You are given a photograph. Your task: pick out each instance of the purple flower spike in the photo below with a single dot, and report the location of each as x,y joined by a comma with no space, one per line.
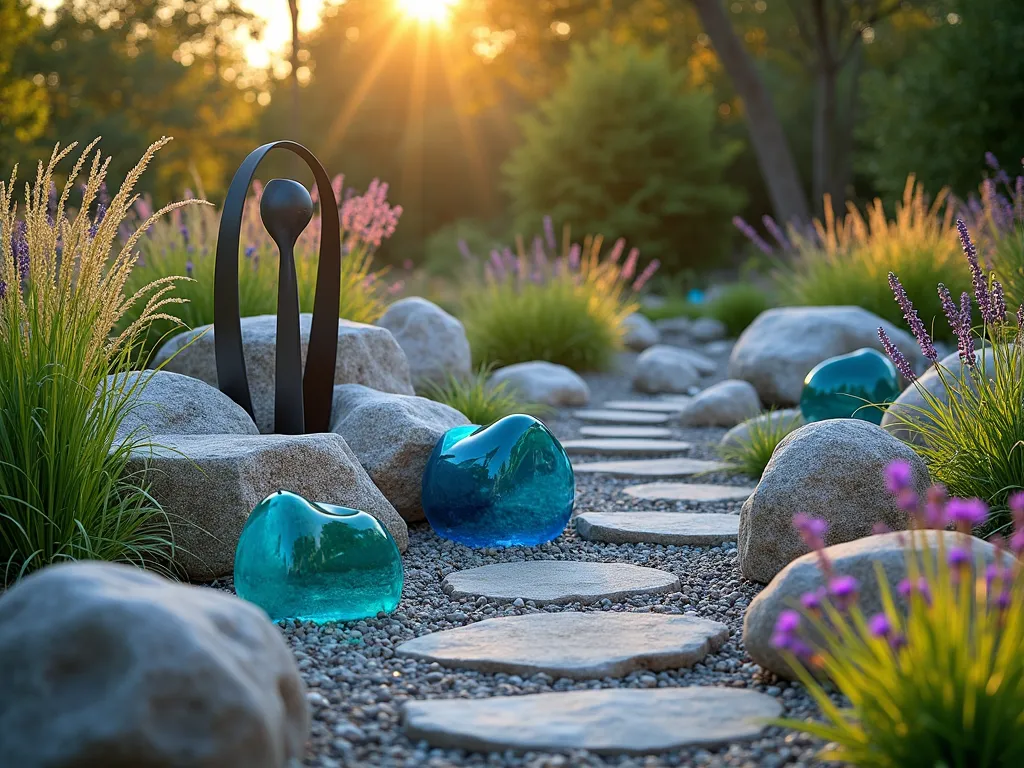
751,234
880,626
998,301
967,513
955,318
910,315
776,232
896,356
991,161
549,233
812,601
981,293
898,475
1020,317
959,558
843,590
788,622
189,267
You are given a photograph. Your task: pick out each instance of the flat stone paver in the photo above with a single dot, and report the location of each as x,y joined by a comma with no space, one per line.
687,492
610,721
558,581
609,416
637,432
680,528
550,643
654,406
679,467
625,445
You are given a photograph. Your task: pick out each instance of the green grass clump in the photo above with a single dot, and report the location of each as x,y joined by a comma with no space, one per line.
64,493
751,453
937,681
848,261
736,307
185,244
479,401
566,310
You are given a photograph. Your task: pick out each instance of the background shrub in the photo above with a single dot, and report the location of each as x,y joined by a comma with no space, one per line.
64,494
847,259
566,309
622,147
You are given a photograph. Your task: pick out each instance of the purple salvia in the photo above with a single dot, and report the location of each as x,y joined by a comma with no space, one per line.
497,266
991,161
966,342
955,319
751,234
981,293
189,268
896,356
616,252
630,266
574,256
646,275
464,250
998,301
776,232
1020,317
549,233
910,315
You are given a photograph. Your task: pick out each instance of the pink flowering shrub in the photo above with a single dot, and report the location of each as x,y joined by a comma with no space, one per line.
186,243
563,304
936,679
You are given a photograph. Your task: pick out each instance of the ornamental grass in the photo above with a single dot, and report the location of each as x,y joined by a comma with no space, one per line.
66,492
973,439
935,679
564,306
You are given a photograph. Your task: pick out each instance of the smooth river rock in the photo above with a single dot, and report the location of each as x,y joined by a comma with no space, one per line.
558,581
609,721
549,643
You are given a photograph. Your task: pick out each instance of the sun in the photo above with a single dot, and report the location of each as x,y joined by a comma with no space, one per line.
427,11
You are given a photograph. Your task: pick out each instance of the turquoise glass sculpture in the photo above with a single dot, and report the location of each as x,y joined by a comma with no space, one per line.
850,387
504,485
316,562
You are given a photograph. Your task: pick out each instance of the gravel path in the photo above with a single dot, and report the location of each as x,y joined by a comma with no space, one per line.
357,685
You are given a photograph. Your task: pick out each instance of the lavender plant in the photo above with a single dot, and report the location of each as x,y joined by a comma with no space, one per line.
935,679
66,491
844,259
562,305
970,429
185,244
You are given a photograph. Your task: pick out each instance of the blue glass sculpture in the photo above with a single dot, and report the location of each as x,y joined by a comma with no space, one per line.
843,387
316,562
507,484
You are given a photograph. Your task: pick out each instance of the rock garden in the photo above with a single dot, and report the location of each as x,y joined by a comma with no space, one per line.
264,504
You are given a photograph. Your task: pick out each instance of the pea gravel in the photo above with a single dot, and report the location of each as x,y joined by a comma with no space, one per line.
357,685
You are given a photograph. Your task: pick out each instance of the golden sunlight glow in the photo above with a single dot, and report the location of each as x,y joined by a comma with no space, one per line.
426,11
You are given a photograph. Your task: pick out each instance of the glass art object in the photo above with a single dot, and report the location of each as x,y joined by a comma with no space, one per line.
504,485
849,387
317,562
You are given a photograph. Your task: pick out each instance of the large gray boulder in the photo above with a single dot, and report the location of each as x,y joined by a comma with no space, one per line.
392,436
781,346
367,355
832,470
434,342
854,558
665,369
165,403
911,406
543,383
724,404
639,333
108,665
208,485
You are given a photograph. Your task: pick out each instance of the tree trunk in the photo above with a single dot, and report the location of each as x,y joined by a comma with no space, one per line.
844,130
773,153
823,146
293,9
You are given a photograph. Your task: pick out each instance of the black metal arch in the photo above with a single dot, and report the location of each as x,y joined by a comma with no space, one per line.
314,407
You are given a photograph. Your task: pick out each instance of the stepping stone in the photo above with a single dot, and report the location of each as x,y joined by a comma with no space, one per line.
625,445
622,417
610,721
636,432
654,406
558,581
680,528
688,492
550,643
651,467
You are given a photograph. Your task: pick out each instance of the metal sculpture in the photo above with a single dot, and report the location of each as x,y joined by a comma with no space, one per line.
302,400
